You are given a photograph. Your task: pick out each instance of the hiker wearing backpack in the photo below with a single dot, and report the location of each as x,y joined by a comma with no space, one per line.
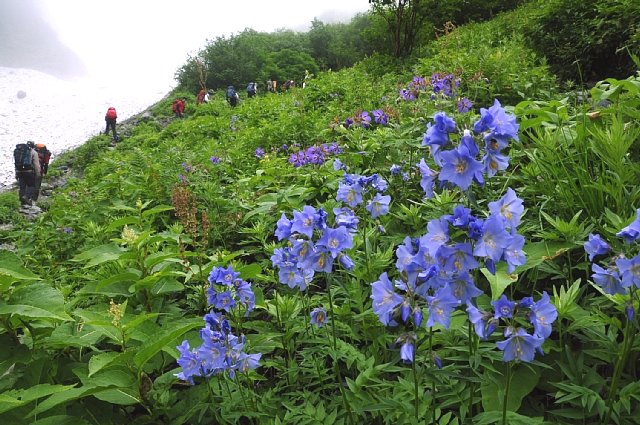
201,96
110,118
178,107
251,89
27,166
232,96
44,156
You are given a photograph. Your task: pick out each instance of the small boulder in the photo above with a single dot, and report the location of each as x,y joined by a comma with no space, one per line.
21,94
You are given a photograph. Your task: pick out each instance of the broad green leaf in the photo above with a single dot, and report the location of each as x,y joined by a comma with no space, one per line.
147,351
101,360
16,398
31,312
138,320
167,285
156,210
100,254
37,300
117,224
121,396
538,252
524,379
11,265
62,398
60,420
500,281
129,276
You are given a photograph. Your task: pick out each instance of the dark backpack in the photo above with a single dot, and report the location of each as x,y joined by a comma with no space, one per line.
44,155
251,88
22,157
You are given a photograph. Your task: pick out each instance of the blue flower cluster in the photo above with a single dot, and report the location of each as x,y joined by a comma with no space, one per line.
519,344
440,84
227,290
436,267
459,165
312,245
221,351
621,273
353,187
315,155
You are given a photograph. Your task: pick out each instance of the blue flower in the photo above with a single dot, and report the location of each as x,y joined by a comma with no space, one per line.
335,240
428,178
463,288
351,194
509,207
513,253
494,239
319,317
283,227
608,280
543,313
407,347
385,299
481,321
459,167
260,153
629,270
440,308
631,233
304,221
503,308
379,205
380,117
595,246
520,346
190,362
464,105
395,170
215,160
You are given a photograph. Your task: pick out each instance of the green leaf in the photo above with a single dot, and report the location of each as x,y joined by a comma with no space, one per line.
100,254
156,210
37,300
147,351
63,397
166,285
16,398
524,379
500,281
101,360
121,396
60,420
11,265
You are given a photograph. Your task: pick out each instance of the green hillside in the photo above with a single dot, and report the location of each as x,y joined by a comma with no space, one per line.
450,238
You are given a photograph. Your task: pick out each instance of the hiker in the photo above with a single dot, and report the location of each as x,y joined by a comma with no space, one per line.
288,85
27,166
178,107
44,156
232,96
251,89
110,117
201,95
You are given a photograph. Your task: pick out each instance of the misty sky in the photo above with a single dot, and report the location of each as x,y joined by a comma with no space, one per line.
140,42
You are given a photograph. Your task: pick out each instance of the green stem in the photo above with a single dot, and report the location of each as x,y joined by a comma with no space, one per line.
471,352
626,346
506,395
285,346
433,381
336,366
416,400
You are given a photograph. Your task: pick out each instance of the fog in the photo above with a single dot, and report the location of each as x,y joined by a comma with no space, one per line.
140,42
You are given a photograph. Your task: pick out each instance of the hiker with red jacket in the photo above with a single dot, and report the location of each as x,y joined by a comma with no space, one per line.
178,107
110,117
201,96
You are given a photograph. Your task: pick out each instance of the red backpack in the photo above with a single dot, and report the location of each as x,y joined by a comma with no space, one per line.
111,113
44,155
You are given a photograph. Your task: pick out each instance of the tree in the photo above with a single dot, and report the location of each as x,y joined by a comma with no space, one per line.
405,20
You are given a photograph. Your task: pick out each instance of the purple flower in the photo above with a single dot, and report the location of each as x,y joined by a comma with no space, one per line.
428,178
407,347
67,230
459,167
379,205
494,162
480,321
395,169
464,105
520,346
380,117
513,253
631,233
319,317
385,299
595,246
463,288
260,153
497,121
215,160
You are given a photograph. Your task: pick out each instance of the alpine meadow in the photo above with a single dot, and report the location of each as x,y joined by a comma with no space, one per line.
436,222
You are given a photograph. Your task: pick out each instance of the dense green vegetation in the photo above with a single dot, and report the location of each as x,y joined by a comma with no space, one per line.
362,236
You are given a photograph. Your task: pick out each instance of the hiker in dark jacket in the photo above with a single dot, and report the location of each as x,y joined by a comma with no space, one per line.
232,96
27,178
110,118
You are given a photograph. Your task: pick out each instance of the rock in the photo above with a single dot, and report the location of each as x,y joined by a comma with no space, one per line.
21,94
